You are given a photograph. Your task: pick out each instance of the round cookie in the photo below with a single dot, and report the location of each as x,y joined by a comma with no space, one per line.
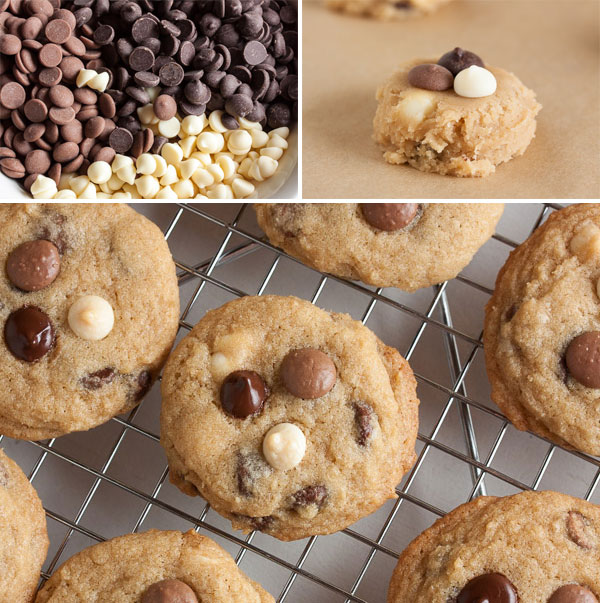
89,310
152,567
440,131
289,464
379,243
518,548
23,536
386,9
546,298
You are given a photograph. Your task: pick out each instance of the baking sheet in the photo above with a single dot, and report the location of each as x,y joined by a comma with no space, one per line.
551,45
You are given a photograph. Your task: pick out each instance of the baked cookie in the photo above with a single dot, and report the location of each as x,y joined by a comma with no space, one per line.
386,9
404,245
23,537
542,331
88,312
533,547
454,116
152,567
287,418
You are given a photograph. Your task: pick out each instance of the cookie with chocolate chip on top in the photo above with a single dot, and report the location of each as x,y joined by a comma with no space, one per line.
23,536
404,245
541,547
89,309
542,331
152,567
287,418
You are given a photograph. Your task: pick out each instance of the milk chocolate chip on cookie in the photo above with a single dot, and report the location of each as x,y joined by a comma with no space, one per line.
278,412
89,311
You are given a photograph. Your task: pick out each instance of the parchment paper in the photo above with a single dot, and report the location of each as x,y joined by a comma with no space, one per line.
551,45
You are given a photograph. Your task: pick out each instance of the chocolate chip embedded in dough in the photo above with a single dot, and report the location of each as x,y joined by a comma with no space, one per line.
364,416
311,495
389,216
583,359
308,373
579,529
98,379
573,593
143,383
29,334
430,77
169,591
488,588
243,394
458,59
250,468
33,265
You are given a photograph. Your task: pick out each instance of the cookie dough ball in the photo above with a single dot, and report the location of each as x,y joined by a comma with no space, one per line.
89,309
23,537
386,9
152,567
440,131
533,546
404,245
541,337
295,444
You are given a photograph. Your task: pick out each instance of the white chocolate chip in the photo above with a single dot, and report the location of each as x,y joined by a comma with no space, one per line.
166,193
415,106
169,128
43,188
145,164
219,366
585,243
172,153
184,189
475,82
210,142
91,317
284,446
242,188
99,172
147,186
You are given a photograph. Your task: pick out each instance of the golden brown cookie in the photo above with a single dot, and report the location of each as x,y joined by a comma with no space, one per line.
404,245
541,331
152,567
89,310
386,9
533,547
23,537
287,418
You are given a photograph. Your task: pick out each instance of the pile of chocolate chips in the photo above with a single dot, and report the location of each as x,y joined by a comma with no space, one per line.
235,55
440,76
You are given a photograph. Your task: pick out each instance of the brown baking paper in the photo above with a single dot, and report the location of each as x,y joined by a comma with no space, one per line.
551,45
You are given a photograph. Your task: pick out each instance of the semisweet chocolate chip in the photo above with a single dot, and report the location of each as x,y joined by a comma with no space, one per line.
458,59
573,593
260,523
430,77
98,379
308,373
171,74
579,530
311,495
141,59
142,386
169,591
364,417
583,359
33,265
488,588
29,334
389,216
120,140
243,394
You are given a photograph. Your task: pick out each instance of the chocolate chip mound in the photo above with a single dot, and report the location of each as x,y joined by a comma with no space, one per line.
311,495
580,531
364,416
99,378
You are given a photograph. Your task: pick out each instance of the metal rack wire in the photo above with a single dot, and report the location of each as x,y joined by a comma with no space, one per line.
461,434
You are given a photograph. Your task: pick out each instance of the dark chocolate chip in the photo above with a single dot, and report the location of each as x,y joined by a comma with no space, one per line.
99,378
29,334
243,394
311,495
364,417
488,588
458,59
580,530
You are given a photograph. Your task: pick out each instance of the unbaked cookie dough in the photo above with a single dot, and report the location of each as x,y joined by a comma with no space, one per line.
404,245
464,127
386,9
288,419
542,331
533,547
23,537
89,309
152,567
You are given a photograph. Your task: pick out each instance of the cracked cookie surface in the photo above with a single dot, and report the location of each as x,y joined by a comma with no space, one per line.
123,569
360,431
23,536
537,542
109,251
547,295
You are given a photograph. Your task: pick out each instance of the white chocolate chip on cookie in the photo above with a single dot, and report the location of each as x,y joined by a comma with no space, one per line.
475,82
416,106
585,243
91,317
284,446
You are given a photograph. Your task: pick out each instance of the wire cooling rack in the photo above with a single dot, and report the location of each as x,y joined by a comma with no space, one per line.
113,479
